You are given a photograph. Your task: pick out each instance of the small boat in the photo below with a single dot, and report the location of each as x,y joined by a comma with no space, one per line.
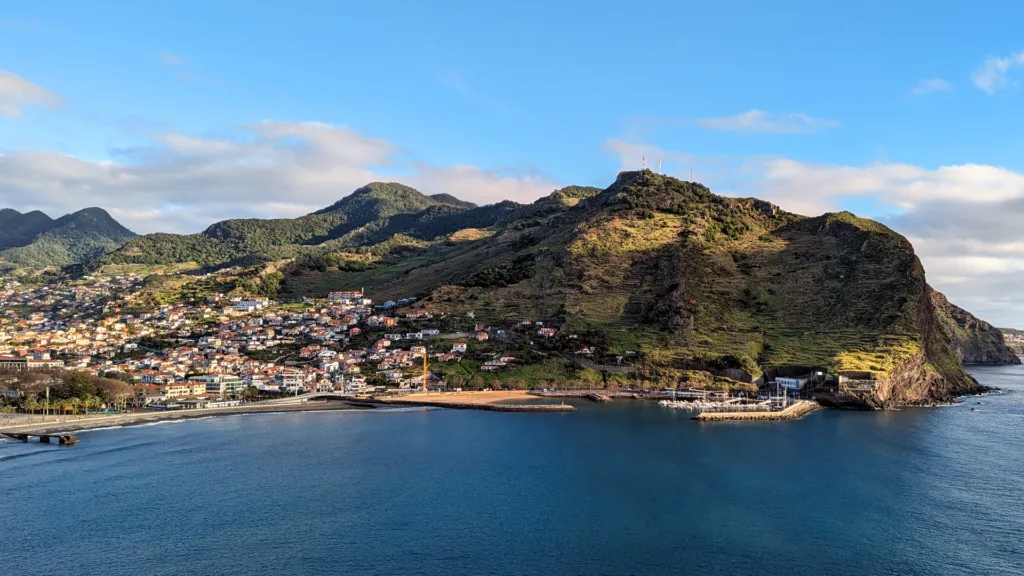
974,409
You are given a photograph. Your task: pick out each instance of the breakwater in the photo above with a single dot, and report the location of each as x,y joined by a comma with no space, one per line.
797,410
463,405
601,396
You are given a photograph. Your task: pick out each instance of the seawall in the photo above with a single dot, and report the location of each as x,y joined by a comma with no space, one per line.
464,405
797,410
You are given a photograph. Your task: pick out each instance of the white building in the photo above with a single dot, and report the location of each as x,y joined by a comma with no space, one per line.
221,384
791,383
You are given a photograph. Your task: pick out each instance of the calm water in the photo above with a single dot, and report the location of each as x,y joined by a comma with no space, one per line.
620,489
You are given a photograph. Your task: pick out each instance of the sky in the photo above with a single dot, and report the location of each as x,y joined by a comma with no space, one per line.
173,115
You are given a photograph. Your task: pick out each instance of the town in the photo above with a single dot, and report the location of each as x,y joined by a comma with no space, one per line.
229,349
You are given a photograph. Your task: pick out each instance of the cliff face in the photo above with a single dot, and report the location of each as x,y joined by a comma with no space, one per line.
974,340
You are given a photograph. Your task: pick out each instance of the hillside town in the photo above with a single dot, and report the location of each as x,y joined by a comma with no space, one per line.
230,348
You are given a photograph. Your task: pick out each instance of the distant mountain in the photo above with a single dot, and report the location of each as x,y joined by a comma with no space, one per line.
369,215
975,341
17,229
35,240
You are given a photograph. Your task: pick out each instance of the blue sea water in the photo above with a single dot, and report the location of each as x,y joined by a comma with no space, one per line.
626,488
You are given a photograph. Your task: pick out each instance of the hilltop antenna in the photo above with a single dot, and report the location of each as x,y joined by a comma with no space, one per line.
643,162
691,174
659,167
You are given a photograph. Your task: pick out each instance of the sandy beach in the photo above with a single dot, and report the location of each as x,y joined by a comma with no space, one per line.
489,397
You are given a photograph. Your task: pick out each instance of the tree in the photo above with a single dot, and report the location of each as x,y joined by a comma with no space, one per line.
251,394
75,404
30,403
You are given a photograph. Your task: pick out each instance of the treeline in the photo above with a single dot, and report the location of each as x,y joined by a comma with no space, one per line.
70,391
514,272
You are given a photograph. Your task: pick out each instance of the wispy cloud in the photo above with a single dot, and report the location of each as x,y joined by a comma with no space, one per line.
181,68
182,183
17,92
930,86
456,82
768,122
991,75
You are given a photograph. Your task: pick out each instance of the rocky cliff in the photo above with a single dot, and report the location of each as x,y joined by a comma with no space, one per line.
974,340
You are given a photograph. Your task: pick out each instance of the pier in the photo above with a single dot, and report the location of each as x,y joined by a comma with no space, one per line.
601,397
793,412
62,439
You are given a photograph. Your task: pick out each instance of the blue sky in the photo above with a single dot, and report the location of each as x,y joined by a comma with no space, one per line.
173,115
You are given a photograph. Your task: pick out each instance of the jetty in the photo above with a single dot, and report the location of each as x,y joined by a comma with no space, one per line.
62,439
797,410
600,396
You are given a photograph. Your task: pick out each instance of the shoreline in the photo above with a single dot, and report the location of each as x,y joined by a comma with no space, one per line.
140,418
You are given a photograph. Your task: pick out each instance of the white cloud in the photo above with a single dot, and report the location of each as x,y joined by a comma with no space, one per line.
17,92
930,86
182,183
991,74
769,122
964,220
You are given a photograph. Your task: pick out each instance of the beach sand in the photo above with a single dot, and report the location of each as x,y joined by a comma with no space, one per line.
489,397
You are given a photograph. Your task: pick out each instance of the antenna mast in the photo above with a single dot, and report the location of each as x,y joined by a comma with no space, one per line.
643,162
659,167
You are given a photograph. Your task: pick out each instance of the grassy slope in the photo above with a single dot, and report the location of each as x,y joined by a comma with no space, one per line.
695,280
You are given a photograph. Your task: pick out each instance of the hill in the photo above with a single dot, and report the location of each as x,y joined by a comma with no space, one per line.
696,282
369,215
35,240
684,281
975,341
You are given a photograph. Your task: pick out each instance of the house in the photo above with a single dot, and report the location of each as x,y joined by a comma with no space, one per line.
181,389
220,384
459,347
791,383
481,336
345,295
546,332
289,379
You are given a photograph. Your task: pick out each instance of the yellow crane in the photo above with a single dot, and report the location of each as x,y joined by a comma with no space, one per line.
426,375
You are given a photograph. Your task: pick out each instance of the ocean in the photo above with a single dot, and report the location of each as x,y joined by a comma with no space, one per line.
625,488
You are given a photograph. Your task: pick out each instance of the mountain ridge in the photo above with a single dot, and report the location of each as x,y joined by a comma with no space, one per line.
686,279
35,240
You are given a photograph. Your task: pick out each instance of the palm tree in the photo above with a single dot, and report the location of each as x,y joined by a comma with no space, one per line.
75,403
30,404
96,402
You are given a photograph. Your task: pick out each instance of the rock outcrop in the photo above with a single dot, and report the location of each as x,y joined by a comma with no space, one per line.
974,340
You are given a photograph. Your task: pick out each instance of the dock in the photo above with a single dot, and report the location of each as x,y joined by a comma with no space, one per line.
62,439
793,412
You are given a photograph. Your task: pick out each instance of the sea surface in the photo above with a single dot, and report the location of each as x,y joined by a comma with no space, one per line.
626,488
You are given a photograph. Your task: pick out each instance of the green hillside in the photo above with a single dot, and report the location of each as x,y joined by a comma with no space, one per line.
370,215
34,240
693,281
663,271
